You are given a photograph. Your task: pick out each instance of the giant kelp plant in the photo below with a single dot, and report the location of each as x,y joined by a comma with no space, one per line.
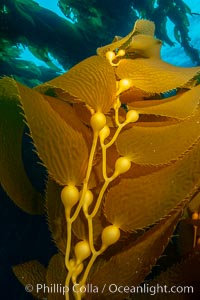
24,23
123,163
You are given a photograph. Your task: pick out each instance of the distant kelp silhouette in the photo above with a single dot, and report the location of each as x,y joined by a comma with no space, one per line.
88,24
123,163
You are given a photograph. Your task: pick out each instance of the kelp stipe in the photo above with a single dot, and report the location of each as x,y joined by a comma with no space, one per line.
118,179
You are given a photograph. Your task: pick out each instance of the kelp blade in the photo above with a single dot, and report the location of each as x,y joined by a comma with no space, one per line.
91,81
180,106
56,274
134,262
136,203
154,75
31,274
13,177
156,145
62,149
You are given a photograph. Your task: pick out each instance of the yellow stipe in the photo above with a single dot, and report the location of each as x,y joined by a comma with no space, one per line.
111,234
77,271
195,216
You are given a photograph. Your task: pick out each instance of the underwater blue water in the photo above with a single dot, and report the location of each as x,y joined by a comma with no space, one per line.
26,54
168,53
51,5
174,55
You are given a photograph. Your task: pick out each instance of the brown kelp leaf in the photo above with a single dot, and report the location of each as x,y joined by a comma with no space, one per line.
141,27
133,263
159,145
144,46
139,202
194,205
92,81
13,177
32,274
134,95
56,275
184,239
82,112
56,93
70,116
61,148
56,215
180,106
154,75
183,276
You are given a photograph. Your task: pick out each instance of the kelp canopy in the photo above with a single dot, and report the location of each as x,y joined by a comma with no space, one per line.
123,164
95,23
